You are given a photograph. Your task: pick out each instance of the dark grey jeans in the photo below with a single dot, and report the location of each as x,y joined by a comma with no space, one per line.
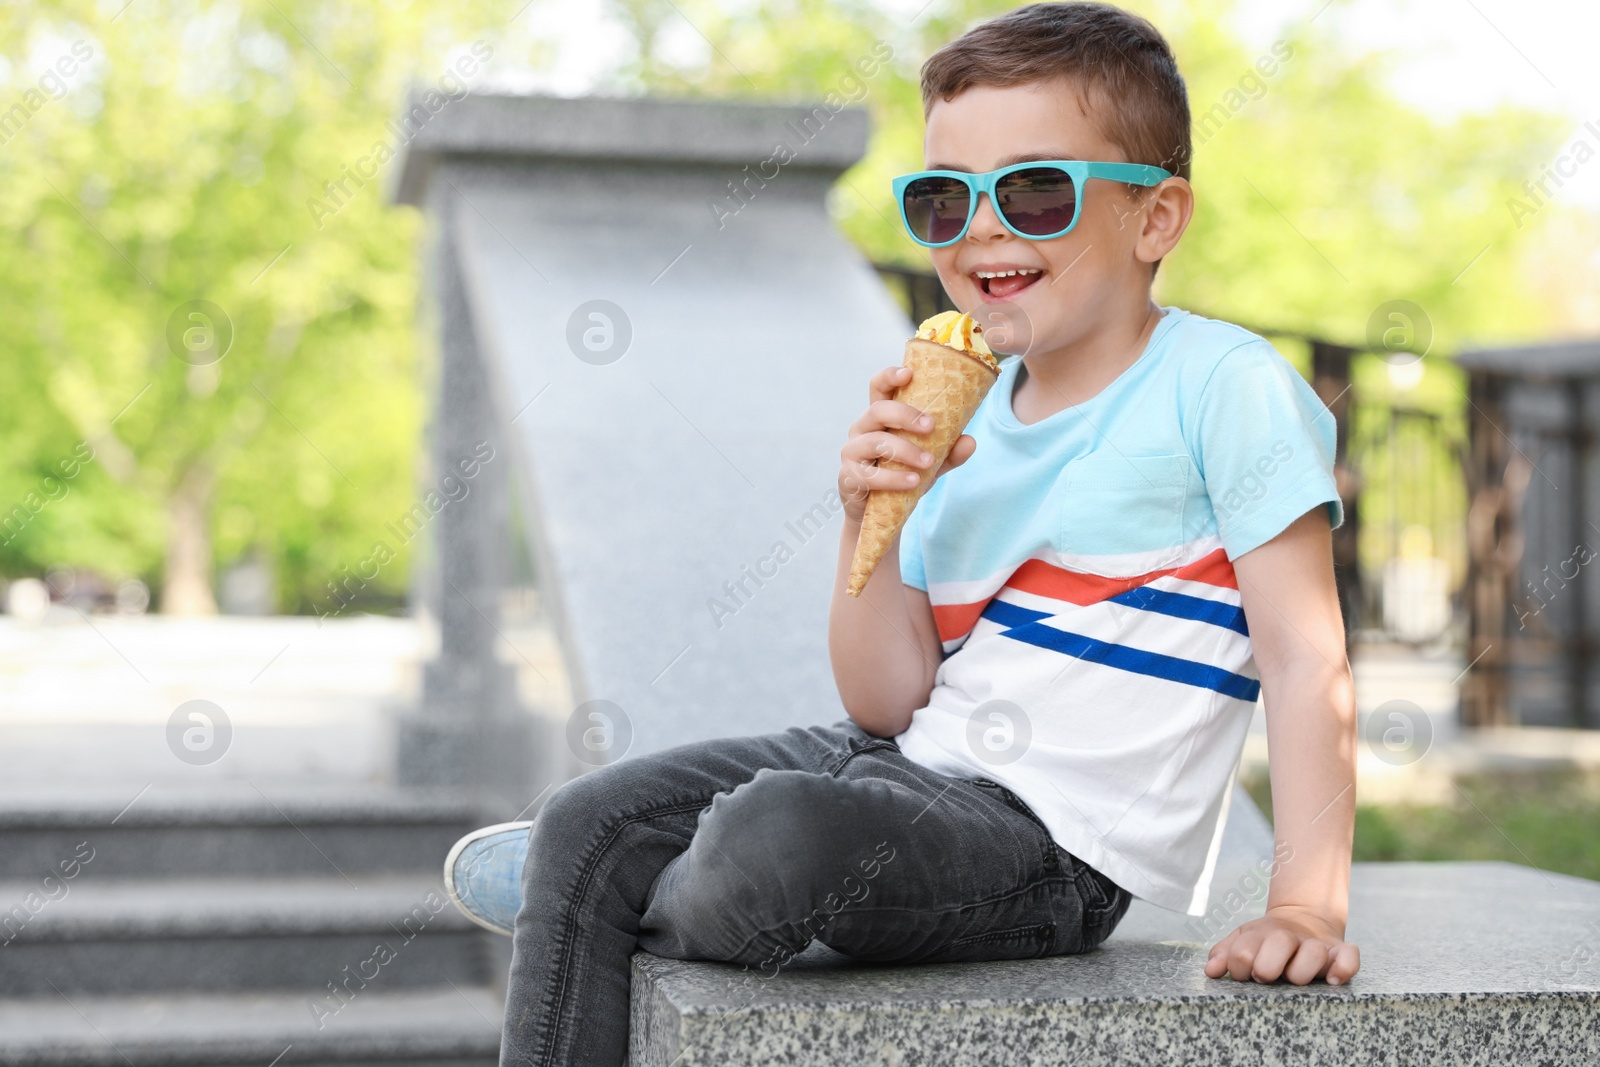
746,849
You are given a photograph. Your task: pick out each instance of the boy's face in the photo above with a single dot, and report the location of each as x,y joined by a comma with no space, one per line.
1085,276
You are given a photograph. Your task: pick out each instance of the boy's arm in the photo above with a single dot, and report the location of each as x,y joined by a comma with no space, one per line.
884,656
1292,609
883,644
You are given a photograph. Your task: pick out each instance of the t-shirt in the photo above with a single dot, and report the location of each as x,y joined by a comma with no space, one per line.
1096,657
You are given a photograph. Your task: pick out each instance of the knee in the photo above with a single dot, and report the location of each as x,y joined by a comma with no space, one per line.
794,831
589,803
771,864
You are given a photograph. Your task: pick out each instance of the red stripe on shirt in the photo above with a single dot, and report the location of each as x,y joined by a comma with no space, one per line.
957,620
1076,587
1214,568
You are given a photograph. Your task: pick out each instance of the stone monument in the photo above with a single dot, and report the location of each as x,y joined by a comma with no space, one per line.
645,310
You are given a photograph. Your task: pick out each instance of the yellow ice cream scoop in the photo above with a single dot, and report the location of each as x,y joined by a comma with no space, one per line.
958,331
951,372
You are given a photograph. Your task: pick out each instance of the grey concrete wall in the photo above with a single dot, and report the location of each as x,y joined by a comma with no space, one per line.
678,454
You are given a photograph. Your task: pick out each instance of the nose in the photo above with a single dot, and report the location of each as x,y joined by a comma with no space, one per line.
986,224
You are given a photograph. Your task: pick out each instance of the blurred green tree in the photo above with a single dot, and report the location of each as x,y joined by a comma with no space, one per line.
225,153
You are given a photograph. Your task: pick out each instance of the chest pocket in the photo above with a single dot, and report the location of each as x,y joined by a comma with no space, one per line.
1117,506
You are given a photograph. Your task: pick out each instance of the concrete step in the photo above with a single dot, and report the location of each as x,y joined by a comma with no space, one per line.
446,1027
1462,964
319,936
165,832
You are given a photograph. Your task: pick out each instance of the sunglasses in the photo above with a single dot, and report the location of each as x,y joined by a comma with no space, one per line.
1038,200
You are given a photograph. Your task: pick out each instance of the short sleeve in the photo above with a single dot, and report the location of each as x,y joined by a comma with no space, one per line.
912,571
1264,443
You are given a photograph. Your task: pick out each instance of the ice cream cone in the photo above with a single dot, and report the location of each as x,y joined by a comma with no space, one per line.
948,384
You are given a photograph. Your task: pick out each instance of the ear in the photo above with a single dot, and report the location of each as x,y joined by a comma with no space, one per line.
1166,212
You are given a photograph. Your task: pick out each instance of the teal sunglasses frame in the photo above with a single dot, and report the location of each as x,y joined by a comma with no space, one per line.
1080,171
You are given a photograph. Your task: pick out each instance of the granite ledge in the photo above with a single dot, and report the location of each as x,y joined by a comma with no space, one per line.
1463,963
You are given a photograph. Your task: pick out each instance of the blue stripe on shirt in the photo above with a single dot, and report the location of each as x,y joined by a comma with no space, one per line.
1005,614
1183,606
1138,661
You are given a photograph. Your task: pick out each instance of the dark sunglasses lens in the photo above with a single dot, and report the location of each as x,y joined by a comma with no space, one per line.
936,208
1038,201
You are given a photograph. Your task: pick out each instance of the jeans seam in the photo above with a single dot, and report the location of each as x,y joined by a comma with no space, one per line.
567,941
1042,880
1100,914
877,746
1015,932
1109,890
1108,919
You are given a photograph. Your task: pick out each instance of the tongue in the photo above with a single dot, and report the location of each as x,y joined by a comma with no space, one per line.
1013,284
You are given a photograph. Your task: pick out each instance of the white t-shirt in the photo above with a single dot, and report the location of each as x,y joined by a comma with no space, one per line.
1096,657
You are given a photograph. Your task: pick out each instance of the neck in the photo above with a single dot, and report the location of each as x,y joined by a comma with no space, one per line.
1064,377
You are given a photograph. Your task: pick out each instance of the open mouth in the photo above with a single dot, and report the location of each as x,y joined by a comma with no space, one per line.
1005,284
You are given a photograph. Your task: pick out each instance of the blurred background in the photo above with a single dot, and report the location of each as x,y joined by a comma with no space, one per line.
188,151
219,368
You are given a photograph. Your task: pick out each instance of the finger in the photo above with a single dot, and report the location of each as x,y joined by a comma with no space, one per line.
1345,963
870,477
885,382
883,445
1309,961
1242,956
892,415
1217,960
960,452
851,487
1275,951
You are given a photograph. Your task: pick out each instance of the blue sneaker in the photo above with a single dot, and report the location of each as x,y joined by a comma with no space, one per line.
483,874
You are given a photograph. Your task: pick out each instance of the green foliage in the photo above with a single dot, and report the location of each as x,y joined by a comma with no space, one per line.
184,162
180,168
1538,820
1541,822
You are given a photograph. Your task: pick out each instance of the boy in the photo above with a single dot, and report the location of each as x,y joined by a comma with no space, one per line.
1050,678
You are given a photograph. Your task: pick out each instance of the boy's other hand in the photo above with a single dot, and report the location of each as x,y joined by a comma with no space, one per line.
871,440
1289,942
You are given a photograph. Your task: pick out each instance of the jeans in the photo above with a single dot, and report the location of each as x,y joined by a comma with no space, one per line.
746,849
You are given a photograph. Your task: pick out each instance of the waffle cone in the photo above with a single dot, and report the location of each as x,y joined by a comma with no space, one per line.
947,384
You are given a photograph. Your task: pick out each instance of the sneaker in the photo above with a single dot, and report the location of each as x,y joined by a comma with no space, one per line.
483,874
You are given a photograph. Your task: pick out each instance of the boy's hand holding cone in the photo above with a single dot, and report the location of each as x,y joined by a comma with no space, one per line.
918,412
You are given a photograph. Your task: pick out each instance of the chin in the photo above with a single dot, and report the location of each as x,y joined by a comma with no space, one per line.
1016,326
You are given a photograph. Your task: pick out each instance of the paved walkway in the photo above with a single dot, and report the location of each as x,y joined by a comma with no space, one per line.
91,701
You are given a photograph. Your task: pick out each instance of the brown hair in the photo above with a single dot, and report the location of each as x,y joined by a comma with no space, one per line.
1119,61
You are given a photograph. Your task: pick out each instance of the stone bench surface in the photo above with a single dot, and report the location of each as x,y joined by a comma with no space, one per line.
1462,963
